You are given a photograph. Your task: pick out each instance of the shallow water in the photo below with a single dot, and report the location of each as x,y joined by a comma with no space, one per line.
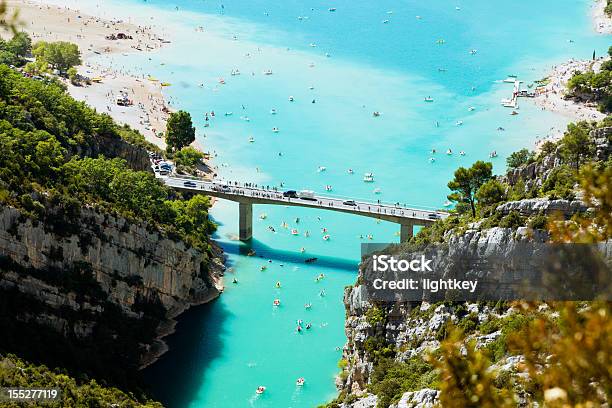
224,350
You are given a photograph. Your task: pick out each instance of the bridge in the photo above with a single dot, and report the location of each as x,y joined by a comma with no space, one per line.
247,194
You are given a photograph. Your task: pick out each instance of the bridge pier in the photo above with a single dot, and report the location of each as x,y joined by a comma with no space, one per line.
406,231
245,216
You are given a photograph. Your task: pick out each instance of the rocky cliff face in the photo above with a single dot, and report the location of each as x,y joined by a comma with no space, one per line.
414,328
100,282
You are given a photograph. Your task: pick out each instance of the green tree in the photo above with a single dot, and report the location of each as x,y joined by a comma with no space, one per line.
179,131
491,192
61,55
73,75
467,182
20,44
576,145
520,158
188,156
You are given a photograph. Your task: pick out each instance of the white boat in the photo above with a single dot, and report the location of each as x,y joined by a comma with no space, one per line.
251,139
275,130
368,177
459,123
263,216
471,108
473,52
235,72
326,237
261,389
291,99
350,171
300,382
276,302
313,45
328,188
377,191
510,79
321,168
273,111
294,232
332,9
268,72
428,99
229,113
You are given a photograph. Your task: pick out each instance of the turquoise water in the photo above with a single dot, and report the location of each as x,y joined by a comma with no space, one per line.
224,350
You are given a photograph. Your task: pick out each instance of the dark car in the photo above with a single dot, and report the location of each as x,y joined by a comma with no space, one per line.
433,216
349,202
290,193
190,184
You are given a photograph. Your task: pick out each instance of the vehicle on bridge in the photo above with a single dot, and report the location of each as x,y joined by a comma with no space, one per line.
290,194
307,195
222,189
191,184
349,202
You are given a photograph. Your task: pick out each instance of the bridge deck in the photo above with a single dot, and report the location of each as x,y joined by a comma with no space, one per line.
252,195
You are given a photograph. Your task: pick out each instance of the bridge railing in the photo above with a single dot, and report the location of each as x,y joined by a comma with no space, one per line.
383,203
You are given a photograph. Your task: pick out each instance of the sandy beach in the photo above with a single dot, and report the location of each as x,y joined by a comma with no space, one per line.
601,21
553,96
53,23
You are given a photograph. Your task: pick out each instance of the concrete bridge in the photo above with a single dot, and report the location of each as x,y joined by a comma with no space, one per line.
247,194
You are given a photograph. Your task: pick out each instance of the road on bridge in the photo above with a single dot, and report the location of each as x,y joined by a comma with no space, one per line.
248,194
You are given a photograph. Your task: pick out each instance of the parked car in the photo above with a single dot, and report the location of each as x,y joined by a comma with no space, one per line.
349,202
290,193
190,184
433,216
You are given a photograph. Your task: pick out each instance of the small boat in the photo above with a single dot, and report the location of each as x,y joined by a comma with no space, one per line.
321,168
313,45
377,191
440,41
493,154
513,113
332,9
291,99
432,159
328,188
311,260
471,108
278,285
268,72
251,139
263,216
251,253
459,123
275,130
385,21
307,305
326,237
276,302
368,177
350,171
300,382
235,72
229,113
263,268
376,114
473,52
273,111
221,81
261,389
166,84
294,232
428,99
449,152
462,153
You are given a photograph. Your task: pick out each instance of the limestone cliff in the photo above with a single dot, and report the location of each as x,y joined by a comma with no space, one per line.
97,283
